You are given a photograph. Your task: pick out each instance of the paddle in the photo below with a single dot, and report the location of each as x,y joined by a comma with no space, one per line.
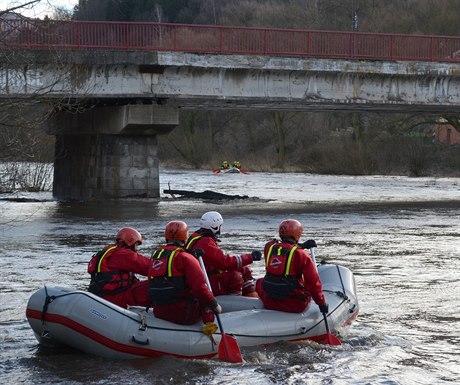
329,339
216,171
228,350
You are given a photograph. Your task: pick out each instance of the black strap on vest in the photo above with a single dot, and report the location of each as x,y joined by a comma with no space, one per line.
166,289
122,280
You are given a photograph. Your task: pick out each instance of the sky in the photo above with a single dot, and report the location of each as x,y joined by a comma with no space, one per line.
38,9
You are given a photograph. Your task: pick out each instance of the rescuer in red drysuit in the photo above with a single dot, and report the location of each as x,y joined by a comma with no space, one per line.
227,274
291,278
113,271
178,288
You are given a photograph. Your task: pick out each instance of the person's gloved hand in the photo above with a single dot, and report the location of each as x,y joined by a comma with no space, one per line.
256,255
324,308
308,244
208,316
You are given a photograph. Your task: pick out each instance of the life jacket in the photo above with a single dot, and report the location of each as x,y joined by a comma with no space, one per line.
164,287
107,282
281,286
192,240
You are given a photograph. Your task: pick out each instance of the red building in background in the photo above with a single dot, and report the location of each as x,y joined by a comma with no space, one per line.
446,134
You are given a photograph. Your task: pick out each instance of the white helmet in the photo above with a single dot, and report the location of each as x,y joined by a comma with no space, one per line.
213,221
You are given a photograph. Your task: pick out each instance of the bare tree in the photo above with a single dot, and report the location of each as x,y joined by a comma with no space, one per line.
282,126
23,140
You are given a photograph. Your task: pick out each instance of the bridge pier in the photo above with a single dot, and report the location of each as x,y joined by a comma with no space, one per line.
109,152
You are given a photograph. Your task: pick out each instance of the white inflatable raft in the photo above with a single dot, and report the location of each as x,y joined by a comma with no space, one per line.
88,323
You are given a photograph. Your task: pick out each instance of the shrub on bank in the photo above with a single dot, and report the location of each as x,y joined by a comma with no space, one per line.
25,176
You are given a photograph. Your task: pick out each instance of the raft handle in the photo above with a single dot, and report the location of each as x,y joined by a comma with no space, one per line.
146,342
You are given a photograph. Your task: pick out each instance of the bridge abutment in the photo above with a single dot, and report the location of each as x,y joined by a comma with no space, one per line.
109,152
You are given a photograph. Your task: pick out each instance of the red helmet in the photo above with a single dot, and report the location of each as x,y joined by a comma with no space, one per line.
129,236
290,228
176,231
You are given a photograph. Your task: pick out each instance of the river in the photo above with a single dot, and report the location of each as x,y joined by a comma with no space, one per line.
400,236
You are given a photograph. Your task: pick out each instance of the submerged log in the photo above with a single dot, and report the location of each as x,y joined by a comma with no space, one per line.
207,194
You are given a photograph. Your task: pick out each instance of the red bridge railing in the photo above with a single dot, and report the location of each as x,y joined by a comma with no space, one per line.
84,35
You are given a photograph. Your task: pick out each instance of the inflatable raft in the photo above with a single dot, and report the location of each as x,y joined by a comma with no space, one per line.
79,319
230,170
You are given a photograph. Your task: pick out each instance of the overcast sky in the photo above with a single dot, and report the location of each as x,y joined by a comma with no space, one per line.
39,9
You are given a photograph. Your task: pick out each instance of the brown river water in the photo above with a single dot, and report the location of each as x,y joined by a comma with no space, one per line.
400,236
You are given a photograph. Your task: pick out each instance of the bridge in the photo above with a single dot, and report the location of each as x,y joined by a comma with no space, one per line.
132,78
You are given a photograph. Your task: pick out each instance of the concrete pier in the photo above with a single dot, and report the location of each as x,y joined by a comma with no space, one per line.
109,152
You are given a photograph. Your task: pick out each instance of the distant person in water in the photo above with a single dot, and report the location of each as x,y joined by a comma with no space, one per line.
291,278
228,274
236,164
224,165
113,270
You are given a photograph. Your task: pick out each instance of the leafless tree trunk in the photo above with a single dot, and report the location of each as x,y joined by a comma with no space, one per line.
23,141
281,128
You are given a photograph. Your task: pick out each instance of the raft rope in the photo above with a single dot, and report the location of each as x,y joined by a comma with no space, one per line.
343,292
303,331
340,276
338,293
51,298
48,300
144,326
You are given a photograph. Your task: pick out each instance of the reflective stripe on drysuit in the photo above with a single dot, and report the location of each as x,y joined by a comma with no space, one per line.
165,288
190,241
281,286
215,259
107,282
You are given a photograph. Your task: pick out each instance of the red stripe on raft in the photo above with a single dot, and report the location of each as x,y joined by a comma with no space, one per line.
116,346
100,339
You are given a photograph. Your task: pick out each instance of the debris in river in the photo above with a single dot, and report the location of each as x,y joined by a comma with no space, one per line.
207,194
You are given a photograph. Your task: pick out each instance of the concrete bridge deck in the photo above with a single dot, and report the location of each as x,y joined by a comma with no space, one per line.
189,80
133,95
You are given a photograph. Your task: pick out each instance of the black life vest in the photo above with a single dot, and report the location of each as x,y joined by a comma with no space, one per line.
107,282
281,286
164,288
